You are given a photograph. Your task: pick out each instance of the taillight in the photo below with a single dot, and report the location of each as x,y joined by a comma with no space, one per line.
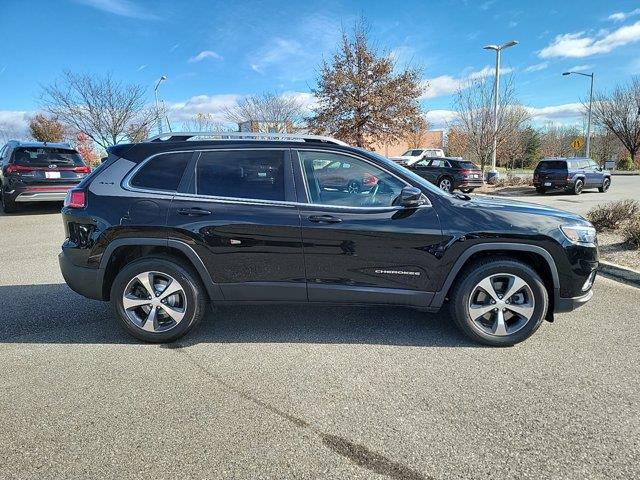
75,199
84,169
13,168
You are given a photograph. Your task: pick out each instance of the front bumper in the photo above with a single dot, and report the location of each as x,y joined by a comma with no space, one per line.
562,305
85,281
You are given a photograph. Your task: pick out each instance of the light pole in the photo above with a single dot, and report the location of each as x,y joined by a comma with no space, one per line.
158,117
493,174
588,139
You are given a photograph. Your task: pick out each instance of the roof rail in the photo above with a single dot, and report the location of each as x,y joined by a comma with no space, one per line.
288,137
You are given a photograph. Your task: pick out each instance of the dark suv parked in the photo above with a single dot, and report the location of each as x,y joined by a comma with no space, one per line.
38,172
449,173
570,174
163,227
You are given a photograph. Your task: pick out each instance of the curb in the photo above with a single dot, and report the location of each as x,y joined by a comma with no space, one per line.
619,273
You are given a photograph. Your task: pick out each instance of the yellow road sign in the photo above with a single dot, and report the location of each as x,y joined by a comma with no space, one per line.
577,143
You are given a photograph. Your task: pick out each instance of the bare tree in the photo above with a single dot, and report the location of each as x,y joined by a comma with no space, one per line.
363,98
46,129
475,117
416,133
281,113
556,140
204,122
620,113
605,145
101,107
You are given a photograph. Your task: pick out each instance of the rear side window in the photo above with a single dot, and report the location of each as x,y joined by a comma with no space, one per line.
255,174
552,165
163,172
44,156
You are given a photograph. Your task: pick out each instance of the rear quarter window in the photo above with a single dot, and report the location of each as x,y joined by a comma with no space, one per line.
163,172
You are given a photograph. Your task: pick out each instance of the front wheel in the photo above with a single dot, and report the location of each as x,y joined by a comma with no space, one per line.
499,302
158,299
446,184
606,183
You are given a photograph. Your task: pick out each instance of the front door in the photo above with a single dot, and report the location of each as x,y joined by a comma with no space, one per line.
358,246
237,212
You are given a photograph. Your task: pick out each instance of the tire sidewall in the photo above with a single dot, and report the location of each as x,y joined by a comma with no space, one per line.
461,301
194,296
577,190
606,183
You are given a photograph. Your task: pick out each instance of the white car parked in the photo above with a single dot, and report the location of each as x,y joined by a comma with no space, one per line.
416,154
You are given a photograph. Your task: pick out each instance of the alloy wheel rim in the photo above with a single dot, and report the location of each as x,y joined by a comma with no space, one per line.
606,184
501,304
445,185
154,302
579,186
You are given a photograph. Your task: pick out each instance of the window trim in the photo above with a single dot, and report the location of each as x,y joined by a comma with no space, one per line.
307,194
126,182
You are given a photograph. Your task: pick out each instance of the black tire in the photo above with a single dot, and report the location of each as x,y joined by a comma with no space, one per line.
467,190
606,183
541,190
461,296
8,205
194,292
442,184
578,186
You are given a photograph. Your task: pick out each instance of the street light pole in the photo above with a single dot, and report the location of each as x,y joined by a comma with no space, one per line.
158,117
493,174
588,139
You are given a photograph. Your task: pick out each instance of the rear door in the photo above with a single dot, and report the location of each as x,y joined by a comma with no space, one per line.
238,213
358,246
593,175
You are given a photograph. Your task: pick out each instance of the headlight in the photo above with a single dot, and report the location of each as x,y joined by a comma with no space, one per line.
579,233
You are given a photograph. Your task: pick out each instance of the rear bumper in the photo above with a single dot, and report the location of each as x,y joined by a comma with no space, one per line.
552,184
52,193
85,281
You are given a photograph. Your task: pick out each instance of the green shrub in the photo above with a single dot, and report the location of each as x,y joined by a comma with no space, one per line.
631,232
626,163
611,216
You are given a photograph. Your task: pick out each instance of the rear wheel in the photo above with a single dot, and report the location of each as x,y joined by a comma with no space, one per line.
446,184
158,299
606,183
578,187
8,205
499,302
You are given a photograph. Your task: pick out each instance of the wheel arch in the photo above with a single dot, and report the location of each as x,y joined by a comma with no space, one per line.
536,257
122,251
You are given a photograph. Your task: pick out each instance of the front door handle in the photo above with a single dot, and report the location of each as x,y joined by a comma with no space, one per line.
193,212
324,219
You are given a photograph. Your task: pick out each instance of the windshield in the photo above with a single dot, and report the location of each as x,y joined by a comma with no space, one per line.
44,156
408,173
412,153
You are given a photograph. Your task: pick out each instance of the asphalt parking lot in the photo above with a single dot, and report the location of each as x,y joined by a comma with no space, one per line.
300,392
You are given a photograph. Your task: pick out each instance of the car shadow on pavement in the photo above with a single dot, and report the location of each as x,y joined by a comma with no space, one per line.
36,208
53,313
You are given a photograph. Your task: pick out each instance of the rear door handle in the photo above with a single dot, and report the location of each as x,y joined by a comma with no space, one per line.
324,219
194,212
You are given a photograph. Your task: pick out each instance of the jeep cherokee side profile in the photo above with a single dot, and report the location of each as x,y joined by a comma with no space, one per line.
163,227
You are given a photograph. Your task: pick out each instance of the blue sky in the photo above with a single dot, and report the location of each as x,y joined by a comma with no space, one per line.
216,51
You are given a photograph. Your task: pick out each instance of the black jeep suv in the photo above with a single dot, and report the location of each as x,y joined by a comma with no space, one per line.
38,172
449,173
165,226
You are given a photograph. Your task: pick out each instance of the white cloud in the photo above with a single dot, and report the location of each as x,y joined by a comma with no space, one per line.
123,8
440,118
13,124
513,24
578,45
205,54
447,85
213,104
579,68
622,16
537,67
275,52
566,113
141,67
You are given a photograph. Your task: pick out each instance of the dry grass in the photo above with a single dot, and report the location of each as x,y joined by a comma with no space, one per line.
612,216
631,232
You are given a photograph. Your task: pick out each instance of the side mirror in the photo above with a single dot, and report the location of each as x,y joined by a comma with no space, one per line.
411,197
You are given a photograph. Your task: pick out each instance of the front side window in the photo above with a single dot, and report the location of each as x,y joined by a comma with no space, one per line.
251,174
163,172
357,184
